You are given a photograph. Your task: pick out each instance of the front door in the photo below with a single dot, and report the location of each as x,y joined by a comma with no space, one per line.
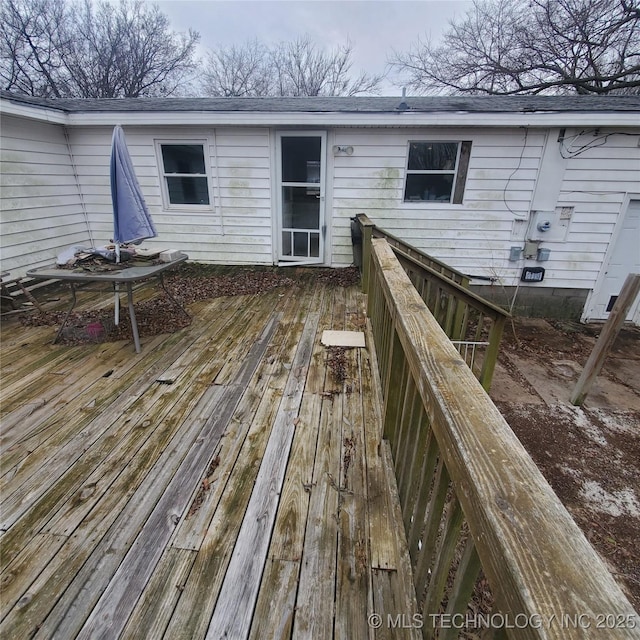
623,259
301,177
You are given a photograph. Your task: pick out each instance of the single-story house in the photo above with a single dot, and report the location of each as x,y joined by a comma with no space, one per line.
537,198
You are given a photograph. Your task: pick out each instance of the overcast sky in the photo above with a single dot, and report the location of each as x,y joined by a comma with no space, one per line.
374,27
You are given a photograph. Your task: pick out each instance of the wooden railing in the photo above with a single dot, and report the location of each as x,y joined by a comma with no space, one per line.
472,323
471,496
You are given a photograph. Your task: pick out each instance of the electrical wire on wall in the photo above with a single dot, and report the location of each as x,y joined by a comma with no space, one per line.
568,151
513,173
77,183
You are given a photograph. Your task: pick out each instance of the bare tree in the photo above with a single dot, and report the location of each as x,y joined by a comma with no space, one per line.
241,70
295,68
30,46
92,49
531,47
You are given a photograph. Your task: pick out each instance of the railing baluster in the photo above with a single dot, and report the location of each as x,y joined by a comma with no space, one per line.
463,585
412,439
432,524
443,560
403,433
421,489
491,354
395,383
480,328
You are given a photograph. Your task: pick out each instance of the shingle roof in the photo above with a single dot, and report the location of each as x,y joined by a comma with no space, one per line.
428,104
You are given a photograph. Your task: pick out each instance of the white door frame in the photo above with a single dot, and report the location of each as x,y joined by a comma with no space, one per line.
592,298
291,260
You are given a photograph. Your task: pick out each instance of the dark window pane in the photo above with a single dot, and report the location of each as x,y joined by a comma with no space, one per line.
428,187
301,159
183,158
314,245
286,243
300,244
432,156
188,190
300,208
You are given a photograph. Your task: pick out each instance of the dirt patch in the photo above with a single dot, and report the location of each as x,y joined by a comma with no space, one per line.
590,455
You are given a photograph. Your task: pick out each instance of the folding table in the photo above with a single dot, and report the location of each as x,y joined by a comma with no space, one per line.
126,276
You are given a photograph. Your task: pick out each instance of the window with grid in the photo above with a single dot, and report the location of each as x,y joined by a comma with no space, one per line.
184,172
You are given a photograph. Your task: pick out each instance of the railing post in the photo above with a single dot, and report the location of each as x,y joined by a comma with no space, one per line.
491,355
628,294
367,233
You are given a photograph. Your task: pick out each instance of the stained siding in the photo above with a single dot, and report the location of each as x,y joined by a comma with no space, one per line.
40,202
596,183
42,210
234,228
475,237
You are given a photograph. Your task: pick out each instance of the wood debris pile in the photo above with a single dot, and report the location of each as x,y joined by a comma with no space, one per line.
188,289
337,363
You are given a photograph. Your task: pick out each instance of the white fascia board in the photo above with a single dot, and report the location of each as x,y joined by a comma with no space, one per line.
54,116
296,119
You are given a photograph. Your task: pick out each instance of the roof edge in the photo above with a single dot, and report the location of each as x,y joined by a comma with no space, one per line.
337,111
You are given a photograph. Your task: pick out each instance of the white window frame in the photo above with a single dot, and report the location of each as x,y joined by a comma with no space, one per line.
166,202
454,172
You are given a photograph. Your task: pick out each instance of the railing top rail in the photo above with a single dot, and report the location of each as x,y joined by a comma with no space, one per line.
530,547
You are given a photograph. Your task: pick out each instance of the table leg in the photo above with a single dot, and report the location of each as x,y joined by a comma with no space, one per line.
66,318
132,317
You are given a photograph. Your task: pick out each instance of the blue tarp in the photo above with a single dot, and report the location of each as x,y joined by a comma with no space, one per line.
132,221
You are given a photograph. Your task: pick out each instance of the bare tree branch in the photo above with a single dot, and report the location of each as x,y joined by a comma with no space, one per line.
74,48
295,68
531,46
238,71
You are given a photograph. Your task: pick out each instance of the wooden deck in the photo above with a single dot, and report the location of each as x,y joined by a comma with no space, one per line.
222,483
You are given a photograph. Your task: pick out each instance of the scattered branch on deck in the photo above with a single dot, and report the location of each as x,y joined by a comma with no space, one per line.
205,485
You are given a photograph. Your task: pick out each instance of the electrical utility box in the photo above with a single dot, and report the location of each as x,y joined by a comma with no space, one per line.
550,226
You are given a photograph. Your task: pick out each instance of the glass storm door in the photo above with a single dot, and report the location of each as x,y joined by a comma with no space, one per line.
301,171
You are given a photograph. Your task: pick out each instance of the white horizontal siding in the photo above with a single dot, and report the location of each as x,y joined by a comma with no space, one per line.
500,183
595,183
235,227
41,209
42,213
476,236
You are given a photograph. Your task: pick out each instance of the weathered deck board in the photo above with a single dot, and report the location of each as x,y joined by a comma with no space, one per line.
275,607
80,433
118,599
234,608
172,497
96,573
315,605
257,405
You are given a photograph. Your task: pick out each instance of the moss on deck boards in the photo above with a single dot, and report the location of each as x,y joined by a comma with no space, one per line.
109,525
